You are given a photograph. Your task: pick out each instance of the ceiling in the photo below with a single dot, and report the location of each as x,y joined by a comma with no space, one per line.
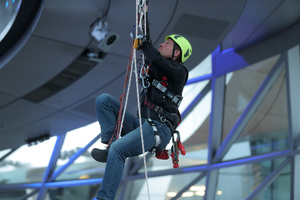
48,85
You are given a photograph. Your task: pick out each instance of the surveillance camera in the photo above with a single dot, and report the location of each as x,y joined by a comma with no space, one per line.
106,43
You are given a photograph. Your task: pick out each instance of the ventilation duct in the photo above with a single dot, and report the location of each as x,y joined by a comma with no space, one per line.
72,73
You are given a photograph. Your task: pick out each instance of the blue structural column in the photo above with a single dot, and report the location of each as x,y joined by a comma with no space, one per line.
293,83
215,127
52,164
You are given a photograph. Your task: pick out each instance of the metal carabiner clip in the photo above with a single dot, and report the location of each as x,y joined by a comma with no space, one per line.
162,118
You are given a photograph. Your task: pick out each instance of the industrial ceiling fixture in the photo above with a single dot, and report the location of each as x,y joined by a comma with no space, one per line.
104,38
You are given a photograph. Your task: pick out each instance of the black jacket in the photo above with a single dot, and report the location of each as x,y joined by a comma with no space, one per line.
176,74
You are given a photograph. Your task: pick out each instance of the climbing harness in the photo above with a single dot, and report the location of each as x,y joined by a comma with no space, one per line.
172,121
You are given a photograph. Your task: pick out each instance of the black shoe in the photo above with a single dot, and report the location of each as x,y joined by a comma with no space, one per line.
100,155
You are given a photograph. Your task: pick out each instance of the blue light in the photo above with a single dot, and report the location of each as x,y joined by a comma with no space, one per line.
13,1
6,4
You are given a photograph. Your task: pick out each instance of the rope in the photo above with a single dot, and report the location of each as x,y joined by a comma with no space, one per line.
141,17
126,99
119,122
139,14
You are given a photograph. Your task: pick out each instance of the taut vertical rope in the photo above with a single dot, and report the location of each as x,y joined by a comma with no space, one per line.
140,14
141,17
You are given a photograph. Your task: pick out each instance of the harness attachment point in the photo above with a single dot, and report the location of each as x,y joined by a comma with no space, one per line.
177,146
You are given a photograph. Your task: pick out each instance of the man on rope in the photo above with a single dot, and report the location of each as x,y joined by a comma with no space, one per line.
166,79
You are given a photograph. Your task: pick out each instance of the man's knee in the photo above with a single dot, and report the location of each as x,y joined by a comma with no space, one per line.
102,99
117,148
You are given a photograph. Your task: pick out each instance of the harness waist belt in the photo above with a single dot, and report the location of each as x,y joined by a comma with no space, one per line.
163,114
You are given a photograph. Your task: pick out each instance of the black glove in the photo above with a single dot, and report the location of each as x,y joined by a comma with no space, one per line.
139,39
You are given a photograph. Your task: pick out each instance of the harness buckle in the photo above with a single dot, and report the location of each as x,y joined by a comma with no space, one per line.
159,86
176,99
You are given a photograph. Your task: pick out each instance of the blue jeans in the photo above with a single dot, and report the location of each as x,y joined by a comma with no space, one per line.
107,109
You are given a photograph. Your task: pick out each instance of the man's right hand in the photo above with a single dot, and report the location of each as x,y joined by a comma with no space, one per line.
138,37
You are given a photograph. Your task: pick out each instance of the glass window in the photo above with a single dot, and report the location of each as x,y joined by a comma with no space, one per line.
268,128
245,178
280,188
241,85
166,187
84,166
178,182
203,68
27,164
13,194
79,192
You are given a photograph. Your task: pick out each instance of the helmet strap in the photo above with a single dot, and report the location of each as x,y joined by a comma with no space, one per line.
173,51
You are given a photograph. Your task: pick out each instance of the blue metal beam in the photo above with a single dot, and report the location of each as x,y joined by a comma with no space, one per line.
172,171
202,168
70,183
199,79
52,164
226,61
215,123
74,183
292,61
215,133
20,186
73,158
296,143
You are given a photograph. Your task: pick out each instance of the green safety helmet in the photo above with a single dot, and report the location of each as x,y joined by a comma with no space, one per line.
183,43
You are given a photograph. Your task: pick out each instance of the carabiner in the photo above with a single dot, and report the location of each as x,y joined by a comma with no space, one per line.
162,118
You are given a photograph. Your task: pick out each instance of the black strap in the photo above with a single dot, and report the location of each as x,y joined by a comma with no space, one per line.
171,119
157,139
176,99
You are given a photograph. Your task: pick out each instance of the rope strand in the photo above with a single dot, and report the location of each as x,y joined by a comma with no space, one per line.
137,90
141,17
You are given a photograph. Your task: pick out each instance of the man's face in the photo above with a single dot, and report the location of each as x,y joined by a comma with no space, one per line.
166,48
